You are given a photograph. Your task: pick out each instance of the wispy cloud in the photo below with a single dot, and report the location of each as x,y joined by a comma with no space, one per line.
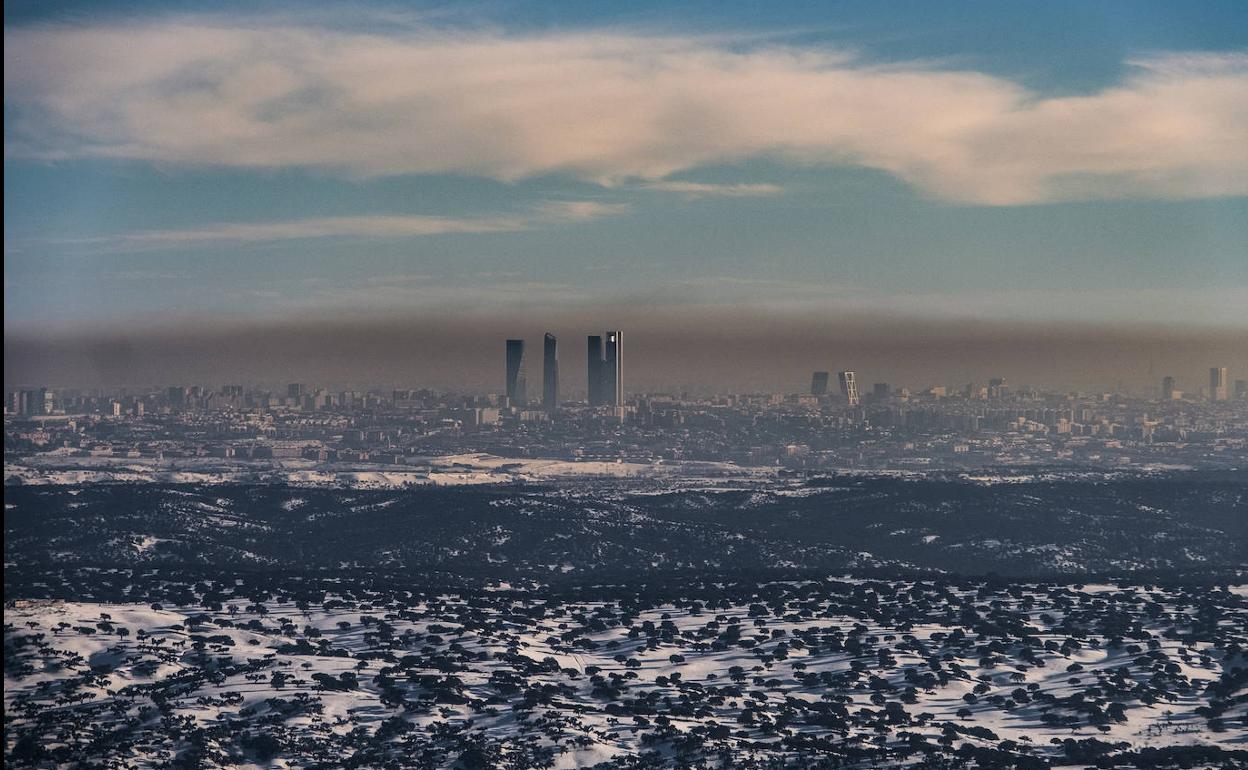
382,226
611,108
704,189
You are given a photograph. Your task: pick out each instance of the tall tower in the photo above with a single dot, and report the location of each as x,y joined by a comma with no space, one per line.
32,402
1218,384
849,387
516,385
594,372
550,373
819,384
613,370
1168,389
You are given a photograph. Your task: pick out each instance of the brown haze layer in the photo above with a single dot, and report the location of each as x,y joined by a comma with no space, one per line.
699,349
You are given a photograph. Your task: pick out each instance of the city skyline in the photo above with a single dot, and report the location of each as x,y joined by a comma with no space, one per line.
665,356
32,401
888,426
604,384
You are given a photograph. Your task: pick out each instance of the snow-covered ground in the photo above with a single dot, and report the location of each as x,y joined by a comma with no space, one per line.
473,468
800,670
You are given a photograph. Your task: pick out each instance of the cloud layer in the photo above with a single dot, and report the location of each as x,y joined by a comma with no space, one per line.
610,108
368,226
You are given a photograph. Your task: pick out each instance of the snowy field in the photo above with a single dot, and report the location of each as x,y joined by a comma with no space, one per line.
628,621
446,470
285,674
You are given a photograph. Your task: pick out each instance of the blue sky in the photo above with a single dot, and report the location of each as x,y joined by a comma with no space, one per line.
1019,162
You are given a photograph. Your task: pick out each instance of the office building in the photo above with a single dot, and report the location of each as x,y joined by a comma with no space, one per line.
516,384
605,370
849,387
295,391
819,384
880,391
1218,382
30,402
613,370
550,373
1168,389
593,375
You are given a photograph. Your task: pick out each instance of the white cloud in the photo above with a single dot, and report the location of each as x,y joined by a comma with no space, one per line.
703,189
610,108
379,226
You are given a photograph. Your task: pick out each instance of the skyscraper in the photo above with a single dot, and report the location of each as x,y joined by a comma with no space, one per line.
819,384
1218,384
613,370
516,385
849,387
593,377
30,402
1168,389
550,373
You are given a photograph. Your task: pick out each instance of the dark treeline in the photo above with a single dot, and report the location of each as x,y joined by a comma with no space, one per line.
1081,526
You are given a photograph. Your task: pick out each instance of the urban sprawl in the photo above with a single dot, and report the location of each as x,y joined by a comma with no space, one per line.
839,423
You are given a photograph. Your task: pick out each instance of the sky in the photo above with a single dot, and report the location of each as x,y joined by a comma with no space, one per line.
1052,191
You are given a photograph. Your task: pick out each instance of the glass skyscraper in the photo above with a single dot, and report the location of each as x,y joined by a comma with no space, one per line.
550,373
613,370
606,369
1218,383
819,384
593,375
516,385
